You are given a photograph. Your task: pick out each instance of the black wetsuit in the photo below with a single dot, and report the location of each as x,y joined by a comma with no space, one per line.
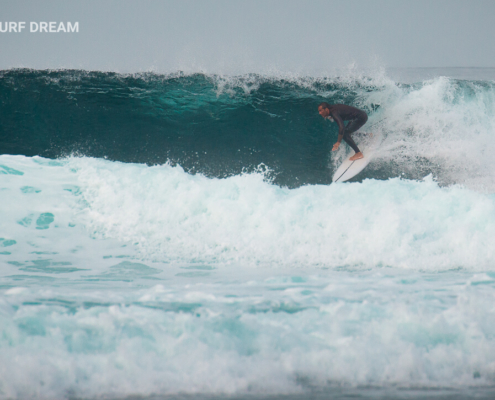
356,117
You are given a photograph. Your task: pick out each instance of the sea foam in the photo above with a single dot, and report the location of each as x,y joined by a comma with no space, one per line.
164,214
172,216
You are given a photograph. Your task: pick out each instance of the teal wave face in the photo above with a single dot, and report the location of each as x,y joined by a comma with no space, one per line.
203,123
223,126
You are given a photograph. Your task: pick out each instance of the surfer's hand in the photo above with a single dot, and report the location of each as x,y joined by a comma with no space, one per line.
336,146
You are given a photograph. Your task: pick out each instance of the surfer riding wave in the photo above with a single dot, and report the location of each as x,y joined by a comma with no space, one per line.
340,113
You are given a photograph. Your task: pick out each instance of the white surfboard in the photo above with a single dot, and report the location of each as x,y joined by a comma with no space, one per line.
349,169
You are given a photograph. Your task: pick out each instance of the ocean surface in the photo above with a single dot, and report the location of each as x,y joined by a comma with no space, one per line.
178,236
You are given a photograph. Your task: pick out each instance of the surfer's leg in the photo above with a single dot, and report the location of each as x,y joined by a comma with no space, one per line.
352,127
355,124
351,143
348,139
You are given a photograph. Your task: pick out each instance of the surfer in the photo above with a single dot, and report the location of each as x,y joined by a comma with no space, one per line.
340,113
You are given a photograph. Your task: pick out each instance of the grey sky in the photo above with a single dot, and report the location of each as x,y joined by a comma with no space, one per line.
231,36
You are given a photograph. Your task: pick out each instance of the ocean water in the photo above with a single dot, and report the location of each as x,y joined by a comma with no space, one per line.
178,237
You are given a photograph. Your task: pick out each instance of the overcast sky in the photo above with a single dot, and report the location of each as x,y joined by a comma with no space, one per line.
231,36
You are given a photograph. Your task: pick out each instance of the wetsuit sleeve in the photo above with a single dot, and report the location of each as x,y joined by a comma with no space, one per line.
339,121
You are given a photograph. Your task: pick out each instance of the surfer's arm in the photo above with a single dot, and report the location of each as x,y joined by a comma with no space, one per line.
339,121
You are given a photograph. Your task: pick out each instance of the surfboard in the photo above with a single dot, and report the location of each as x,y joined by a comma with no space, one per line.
349,169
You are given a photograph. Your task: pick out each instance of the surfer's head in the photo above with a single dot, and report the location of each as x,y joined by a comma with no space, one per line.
324,109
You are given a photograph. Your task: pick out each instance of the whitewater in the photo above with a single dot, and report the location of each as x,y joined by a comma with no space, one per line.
178,237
